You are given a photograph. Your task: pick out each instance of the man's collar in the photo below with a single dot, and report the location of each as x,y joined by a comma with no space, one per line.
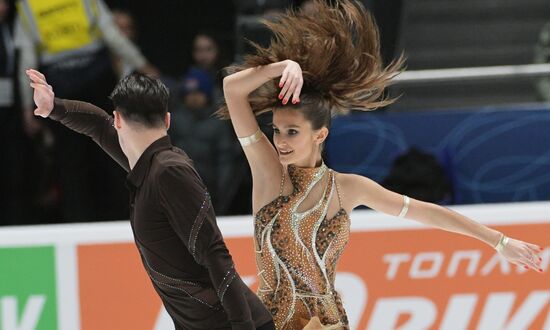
137,174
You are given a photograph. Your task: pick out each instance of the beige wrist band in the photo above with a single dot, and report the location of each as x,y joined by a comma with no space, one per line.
501,243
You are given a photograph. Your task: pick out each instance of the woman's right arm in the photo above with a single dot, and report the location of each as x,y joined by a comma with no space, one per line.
262,156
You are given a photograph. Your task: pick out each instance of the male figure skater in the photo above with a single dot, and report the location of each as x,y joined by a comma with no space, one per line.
171,215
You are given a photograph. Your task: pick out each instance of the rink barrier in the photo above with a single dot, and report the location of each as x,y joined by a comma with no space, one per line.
394,273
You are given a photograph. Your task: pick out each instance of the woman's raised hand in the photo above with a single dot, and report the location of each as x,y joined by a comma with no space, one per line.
291,82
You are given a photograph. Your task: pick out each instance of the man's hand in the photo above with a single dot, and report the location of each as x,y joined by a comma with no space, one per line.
43,93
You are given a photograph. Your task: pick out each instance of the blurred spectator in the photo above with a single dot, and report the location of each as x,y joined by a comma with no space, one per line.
126,24
542,55
209,142
419,175
10,139
25,183
69,40
206,56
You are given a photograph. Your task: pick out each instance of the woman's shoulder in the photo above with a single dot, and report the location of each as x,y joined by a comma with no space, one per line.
354,185
347,179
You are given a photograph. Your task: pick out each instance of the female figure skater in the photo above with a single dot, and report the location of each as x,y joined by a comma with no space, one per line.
328,63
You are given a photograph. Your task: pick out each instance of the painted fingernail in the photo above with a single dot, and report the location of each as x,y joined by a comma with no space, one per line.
281,85
540,259
525,267
540,270
285,101
280,96
294,101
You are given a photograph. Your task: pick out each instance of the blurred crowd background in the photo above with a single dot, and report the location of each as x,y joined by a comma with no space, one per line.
422,145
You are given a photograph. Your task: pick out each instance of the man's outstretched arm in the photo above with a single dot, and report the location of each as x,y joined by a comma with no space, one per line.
81,117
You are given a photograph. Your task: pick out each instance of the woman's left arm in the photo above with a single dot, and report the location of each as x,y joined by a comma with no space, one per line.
369,193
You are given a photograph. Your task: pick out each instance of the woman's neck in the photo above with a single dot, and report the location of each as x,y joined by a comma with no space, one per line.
310,163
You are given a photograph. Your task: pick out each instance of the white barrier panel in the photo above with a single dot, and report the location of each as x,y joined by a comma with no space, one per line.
394,274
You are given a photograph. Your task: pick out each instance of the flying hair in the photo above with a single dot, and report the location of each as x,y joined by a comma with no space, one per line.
338,49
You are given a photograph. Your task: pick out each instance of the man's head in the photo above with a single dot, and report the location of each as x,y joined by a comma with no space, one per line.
141,101
141,108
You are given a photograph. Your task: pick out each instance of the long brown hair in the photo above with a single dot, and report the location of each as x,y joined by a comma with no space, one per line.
338,50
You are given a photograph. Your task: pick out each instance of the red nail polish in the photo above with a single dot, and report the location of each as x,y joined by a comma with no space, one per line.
285,101
540,270
281,85
280,96
294,101
525,267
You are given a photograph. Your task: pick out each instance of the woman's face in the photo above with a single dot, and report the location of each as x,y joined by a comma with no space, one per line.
295,140
205,51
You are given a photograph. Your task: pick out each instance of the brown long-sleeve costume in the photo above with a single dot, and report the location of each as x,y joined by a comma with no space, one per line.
174,229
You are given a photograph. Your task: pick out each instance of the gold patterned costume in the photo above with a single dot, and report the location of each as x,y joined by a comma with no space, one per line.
297,253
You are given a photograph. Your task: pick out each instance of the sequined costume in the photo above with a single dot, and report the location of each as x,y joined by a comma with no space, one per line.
297,253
